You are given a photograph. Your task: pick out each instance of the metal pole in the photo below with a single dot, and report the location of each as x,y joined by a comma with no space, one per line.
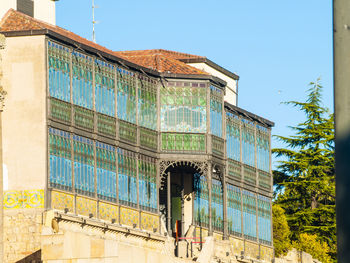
182,205
169,203
341,45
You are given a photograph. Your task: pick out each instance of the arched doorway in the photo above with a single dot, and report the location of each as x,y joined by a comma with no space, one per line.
183,197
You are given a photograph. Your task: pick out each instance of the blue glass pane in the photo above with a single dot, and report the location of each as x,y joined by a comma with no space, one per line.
201,201
59,71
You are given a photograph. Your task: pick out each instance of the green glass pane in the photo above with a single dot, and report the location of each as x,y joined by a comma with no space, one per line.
179,100
187,142
179,142
202,142
195,101
179,91
171,142
187,100
187,91
195,143
202,101
171,100
171,91
164,141
163,100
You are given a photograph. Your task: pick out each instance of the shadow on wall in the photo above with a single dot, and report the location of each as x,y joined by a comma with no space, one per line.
32,258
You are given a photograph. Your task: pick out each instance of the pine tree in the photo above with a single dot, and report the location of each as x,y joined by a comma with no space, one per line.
305,177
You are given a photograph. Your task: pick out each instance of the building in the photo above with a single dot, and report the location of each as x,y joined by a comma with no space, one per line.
127,156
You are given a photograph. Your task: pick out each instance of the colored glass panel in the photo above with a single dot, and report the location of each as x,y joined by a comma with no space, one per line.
84,179
217,212
127,176
60,159
104,88
106,172
233,137
59,71
147,183
183,142
216,100
183,107
248,142
264,219
234,210
147,103
201,200
126,95
263,148
82,80
148,138
249,215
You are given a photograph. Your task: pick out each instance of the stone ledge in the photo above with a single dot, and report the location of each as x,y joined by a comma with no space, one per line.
103,226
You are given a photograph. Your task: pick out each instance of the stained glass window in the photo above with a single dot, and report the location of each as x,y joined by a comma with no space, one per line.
248,142
59,71
147,102
217,212
60,159
126,95
263,148
127,176
264,219
249,215
233,143
106,172
104,88
147,183
234,210
201,200
183,142
84,179
183,107
82,80
216,97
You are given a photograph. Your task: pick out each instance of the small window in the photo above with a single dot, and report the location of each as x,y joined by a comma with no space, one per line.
26,7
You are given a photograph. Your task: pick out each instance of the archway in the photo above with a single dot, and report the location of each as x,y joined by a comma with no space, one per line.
183,196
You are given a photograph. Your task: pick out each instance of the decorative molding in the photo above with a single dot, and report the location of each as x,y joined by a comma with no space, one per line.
24,199
201,166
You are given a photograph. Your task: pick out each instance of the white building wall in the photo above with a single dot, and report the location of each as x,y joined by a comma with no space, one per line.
43,9
231,88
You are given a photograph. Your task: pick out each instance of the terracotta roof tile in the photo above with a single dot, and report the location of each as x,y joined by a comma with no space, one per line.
162,60
162,63
17,21
157,59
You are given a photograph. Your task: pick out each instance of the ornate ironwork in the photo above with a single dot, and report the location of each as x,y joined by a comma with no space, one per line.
200,166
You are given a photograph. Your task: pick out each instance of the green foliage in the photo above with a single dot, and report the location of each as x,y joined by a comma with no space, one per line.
281,241
317,249
305,177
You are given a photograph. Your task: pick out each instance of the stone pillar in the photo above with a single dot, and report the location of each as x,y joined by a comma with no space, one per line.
2,98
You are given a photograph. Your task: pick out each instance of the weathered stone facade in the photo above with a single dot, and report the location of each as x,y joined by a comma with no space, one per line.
22,233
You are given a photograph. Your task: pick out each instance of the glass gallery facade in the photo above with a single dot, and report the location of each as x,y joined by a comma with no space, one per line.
140,148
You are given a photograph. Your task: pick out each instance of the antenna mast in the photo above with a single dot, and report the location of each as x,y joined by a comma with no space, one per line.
93,21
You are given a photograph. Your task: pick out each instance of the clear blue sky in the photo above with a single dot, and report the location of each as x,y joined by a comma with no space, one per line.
276,47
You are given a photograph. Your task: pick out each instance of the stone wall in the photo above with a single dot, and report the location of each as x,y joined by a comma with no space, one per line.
295,256
22,233
72,238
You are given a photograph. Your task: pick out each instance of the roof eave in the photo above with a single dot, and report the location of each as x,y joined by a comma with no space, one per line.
110,57
212,64
214,79
248,114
